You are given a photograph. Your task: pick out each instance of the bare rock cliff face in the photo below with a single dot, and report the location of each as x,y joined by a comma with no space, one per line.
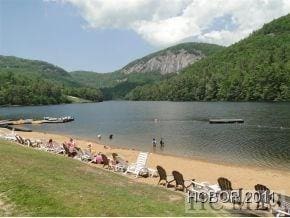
165,63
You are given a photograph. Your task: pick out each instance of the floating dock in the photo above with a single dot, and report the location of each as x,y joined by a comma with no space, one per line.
31,121
225,121
9,124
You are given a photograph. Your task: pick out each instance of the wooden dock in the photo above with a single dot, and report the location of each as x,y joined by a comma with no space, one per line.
225,121
10,124
31,121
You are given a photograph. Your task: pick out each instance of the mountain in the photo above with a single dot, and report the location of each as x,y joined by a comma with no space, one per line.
254,69
117,84
31,82
35,68
150,69
172,59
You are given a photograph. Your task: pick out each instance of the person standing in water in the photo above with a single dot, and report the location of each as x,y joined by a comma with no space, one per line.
162,143
154,143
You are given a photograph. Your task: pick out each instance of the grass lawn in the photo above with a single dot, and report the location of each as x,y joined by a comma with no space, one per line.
36,183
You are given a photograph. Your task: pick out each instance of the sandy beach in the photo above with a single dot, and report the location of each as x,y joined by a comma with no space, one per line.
241,176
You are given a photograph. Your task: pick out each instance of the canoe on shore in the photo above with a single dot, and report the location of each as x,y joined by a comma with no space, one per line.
225,121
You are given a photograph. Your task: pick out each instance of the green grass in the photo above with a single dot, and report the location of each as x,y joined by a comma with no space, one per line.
36,183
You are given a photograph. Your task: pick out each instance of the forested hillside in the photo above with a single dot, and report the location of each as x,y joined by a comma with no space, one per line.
28,82
150,69
254,69
117,84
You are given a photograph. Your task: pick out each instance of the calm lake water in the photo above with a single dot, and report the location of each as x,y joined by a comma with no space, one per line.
263,140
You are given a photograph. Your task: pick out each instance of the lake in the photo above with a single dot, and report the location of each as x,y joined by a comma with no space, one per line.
263,140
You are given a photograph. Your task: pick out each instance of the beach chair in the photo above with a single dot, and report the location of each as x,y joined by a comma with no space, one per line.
121,164
284,206
84,157
67,151
180,182
163,177
106,161
11,136
57,149
226,186
88,154
32,143
140,165
115,155
263,198
20,140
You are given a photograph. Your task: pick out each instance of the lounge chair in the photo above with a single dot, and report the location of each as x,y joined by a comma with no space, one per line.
11,136
106,162
89,154
163,177
140,165
32,143
226,186
120,163
82,156
284,206
67,151
180,182
57,149
20,140
264,197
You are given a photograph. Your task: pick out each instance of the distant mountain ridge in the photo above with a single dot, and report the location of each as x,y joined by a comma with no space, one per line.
33,82
151,69
256,68
172,59
35,68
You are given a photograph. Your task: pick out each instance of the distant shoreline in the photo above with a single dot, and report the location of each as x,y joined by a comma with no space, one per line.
92,102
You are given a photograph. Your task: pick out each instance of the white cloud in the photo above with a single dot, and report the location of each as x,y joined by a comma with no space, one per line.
164,22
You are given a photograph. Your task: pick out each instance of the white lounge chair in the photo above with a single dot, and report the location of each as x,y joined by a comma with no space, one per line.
140,165
11,136
284,208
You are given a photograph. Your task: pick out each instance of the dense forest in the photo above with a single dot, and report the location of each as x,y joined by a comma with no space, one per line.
254,69
118,84
28,82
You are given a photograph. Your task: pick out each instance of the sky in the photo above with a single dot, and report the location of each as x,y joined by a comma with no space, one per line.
105,35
